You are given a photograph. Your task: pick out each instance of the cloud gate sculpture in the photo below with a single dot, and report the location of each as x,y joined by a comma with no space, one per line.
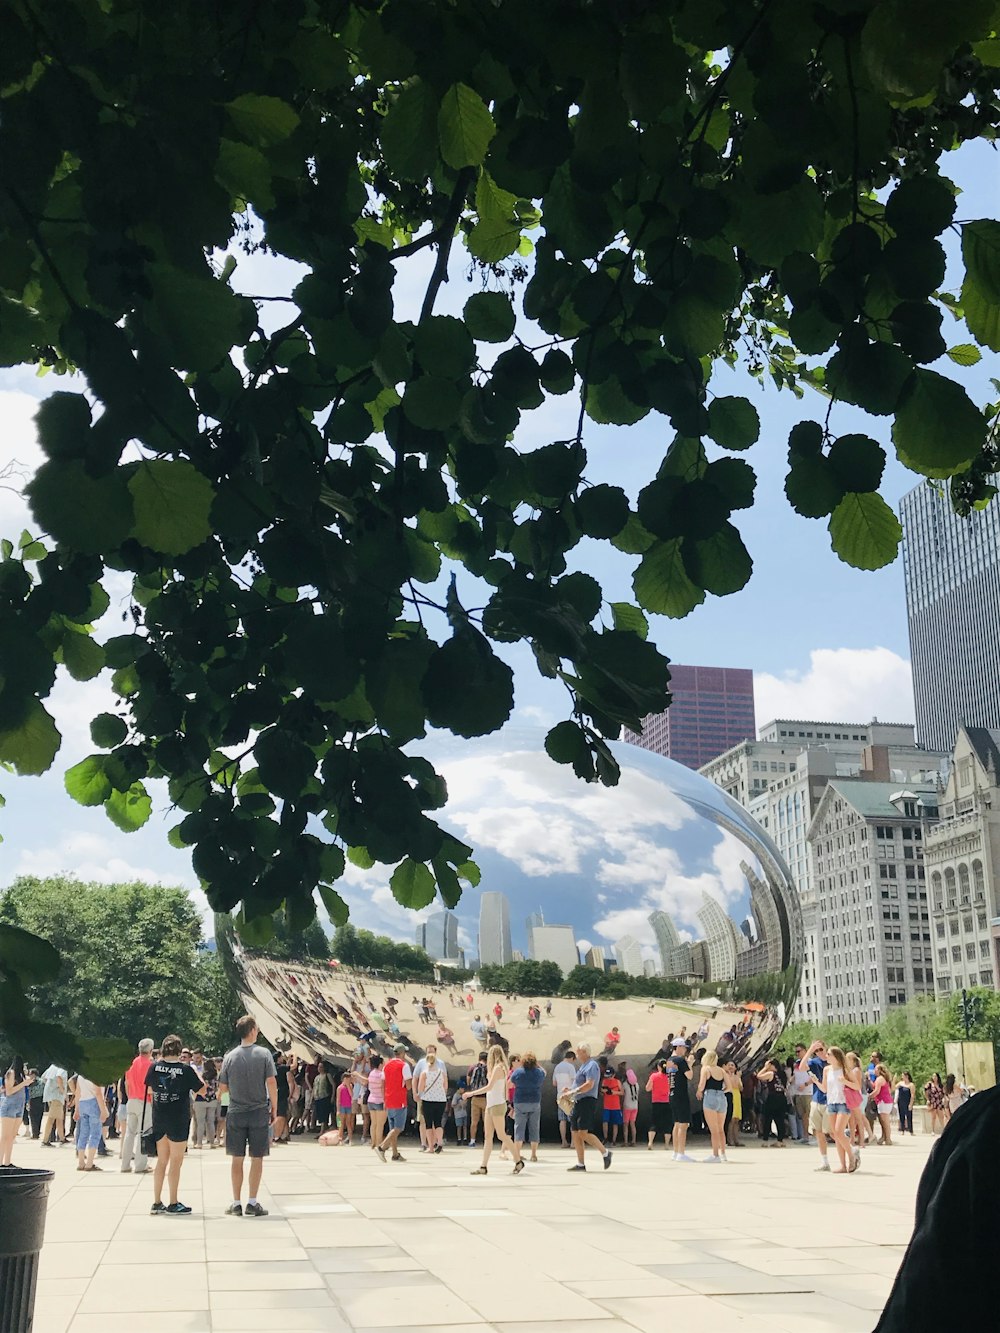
662,876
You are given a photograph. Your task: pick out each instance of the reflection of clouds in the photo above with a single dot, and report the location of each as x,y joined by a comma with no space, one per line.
637,848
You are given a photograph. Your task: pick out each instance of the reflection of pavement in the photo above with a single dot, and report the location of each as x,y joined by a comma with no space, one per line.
328,1010
762,1246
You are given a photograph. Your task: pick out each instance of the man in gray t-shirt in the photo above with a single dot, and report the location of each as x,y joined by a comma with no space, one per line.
249,1076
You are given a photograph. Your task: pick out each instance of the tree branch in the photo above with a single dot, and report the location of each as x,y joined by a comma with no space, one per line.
446,234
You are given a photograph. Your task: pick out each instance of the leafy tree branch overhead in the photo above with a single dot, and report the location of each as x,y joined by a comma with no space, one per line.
644,190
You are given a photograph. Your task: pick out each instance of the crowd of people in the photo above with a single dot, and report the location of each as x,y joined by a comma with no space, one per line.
174,1099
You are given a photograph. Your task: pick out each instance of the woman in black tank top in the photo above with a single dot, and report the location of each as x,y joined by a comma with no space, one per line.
711,1094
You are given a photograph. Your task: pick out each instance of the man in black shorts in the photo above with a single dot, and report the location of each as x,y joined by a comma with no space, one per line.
249,1076
586,1095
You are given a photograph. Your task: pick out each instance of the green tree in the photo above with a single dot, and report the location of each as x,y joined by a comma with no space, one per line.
216,1004
130,963
362,948
528,977
331,513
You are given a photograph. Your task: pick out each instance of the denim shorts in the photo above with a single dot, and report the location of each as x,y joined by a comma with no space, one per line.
837,1108
396,1116
715,1100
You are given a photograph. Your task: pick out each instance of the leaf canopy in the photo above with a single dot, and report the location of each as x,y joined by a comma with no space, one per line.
341,504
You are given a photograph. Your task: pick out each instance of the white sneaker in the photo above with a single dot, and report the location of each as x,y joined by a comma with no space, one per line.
825,1166
674,1157
713,1160
683,1157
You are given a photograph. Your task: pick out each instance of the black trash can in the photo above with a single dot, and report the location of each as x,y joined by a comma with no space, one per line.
24,1197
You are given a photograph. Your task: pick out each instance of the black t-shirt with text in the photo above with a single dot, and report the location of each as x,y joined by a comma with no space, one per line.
678,1079
171,1084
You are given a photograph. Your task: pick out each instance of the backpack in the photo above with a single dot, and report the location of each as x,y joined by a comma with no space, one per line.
478,1077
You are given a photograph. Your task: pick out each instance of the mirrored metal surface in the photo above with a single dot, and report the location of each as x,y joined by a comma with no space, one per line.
663,876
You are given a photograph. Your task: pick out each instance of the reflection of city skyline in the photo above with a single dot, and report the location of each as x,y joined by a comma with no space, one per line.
571,872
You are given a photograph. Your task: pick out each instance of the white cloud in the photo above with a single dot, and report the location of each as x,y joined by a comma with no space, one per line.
840,685
91,857
19,457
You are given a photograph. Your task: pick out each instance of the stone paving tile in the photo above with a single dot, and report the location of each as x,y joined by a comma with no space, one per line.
424,1247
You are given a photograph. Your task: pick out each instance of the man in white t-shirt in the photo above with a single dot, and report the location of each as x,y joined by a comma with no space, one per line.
418,1069
802,1091
563,1078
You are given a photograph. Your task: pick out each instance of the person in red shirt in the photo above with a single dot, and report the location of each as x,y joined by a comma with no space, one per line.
398,1077
612,1090
658,1085
138,1096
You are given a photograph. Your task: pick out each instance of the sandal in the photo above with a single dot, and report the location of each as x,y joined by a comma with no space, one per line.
479,1171
518,1168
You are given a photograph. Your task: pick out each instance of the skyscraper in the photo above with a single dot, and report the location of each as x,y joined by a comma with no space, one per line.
534,919
722,940
667,938
952,571
628,952
495,947
555,944
438,936
711,710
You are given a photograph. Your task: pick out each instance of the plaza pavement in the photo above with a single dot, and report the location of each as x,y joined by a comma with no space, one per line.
762,1245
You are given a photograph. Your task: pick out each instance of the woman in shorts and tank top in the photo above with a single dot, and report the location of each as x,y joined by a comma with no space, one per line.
375,1083
661,1122
12,1102
712,1095
835,1077
882,1097
496,1108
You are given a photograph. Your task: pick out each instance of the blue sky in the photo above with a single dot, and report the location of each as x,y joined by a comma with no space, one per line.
824,640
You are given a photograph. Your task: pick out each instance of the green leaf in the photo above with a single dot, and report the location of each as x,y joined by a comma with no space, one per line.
257,931
869,374
720,564
107,730
129,810
172,502
285,762
602,510
566,743
63,424
84,657
769,227
198,316
627,616
443,346
906,44
864,531
497,233
262,120
938,429
965,354
245,172
337,910
981,288
32,745
413,885
661,582
733,423
432,402
467,688
812,486
87,782
858,462
465,127
490,317
408,133
101,1058
610,403
921,206
33,960
360,857
88,514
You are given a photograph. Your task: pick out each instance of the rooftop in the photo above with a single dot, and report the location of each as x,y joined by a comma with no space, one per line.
873,800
